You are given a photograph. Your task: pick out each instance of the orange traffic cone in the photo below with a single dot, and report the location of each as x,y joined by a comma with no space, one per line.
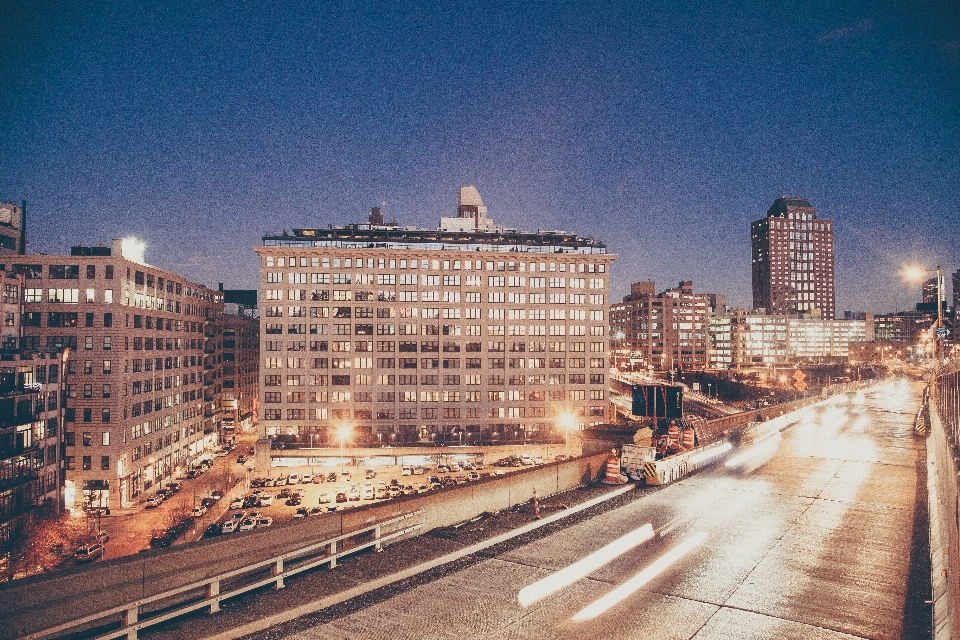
613,475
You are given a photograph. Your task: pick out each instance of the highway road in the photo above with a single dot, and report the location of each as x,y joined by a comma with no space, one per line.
813,543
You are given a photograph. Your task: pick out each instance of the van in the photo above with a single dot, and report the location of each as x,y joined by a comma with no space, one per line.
89,552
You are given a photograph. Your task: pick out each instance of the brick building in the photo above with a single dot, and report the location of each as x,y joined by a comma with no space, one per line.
793,261
142,381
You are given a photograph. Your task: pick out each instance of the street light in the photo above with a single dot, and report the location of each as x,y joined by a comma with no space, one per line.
342,433
567,421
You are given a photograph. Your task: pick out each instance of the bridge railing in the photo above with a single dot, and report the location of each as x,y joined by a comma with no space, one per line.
943,489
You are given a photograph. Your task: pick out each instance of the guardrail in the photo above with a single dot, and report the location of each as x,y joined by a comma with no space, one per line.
207,594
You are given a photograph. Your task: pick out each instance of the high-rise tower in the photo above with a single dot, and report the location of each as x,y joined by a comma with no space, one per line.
793,260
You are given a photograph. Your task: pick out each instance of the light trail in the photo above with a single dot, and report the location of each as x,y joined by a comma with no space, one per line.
635,583
584,567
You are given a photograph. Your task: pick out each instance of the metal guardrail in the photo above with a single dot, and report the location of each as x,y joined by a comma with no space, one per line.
134,615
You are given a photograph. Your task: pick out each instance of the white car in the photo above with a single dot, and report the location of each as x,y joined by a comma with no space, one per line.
247,524
406,471
266,500
264,522
198,511
306,479
324,498
236,504
293,478
229,526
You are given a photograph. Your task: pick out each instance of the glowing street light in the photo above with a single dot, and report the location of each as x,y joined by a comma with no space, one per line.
568,421
343,432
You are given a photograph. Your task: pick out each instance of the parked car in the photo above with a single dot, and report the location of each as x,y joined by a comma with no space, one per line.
307,478
89,551
422,488
293,478
239,515
264,522
173,486
315,511
253,515
270,482
213,529
216,494
236,504
246,524
394,491
302,512
229,526
472,476
324,498
332,476
442,468
153,501
208,502
199,511
341,497
382,494
370,474
241,459
406,471
317,479
293,500
284,493
368,493
266,500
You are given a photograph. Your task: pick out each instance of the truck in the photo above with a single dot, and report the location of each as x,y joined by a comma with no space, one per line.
633,458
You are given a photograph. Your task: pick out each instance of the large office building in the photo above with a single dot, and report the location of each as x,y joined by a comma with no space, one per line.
793,261
752,339
142,381
466,333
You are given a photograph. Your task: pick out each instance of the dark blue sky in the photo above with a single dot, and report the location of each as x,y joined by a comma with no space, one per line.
663,128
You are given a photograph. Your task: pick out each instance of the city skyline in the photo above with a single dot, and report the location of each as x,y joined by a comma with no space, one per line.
661,131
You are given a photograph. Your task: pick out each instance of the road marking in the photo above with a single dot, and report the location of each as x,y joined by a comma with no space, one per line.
322,603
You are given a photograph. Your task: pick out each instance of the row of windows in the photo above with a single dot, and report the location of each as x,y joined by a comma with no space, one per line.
411,329
303,397
434,346
424,413
434,265
412,280
432,363
514,380
66,296
492,297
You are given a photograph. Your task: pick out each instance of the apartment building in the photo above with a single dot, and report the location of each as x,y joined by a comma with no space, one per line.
142,387
468,333
31,424
239,349
793,260
665,332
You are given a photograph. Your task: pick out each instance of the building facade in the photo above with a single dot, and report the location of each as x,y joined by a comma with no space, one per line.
142,379
240,350
469,333
752,339
665,332
31,425
793,261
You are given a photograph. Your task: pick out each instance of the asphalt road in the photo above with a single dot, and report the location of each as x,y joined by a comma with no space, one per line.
814,543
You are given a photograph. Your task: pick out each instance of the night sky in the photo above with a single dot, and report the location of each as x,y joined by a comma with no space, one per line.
662,128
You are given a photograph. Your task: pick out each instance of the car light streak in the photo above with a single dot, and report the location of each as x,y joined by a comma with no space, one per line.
584,567
635,583
710,453
764,448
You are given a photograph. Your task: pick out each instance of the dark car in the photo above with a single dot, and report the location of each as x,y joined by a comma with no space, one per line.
208,502
332,476
284,493
212,530
241,459
341,497
174,486
293,500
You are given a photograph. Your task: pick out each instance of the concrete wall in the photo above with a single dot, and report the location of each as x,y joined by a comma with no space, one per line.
42,602
943,486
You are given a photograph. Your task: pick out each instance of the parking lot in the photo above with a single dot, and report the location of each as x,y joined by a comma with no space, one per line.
315,491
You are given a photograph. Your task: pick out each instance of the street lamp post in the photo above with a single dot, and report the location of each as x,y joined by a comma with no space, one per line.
342,433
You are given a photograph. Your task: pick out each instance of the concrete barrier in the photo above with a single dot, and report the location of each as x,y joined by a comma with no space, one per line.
42,602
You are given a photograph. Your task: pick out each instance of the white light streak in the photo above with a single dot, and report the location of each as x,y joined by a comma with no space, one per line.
584,567
635,583
710,453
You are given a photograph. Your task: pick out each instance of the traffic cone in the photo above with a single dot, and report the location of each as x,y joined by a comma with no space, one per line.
613,475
